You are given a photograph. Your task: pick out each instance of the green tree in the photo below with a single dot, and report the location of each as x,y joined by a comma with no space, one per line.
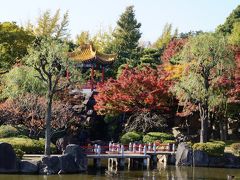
21,80
208,59
234,37
126,38
151,57
83,38
166,37
49,58
102,41
13,44
227,27
51,26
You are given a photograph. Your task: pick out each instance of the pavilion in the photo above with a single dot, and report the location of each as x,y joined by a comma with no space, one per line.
88,57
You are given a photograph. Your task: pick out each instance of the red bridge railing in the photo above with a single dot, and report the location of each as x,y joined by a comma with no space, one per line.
132,148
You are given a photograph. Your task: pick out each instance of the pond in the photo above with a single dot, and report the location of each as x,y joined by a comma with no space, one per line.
161,172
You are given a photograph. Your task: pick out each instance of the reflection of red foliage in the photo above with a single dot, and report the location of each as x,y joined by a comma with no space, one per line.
136,90
174,47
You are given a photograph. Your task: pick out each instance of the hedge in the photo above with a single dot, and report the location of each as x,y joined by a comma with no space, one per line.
153,136
215,148
27,145
130,137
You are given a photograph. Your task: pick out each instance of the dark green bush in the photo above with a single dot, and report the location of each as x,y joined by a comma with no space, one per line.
22,131
8,131
215,148
153,136
130,137
27,145
235,147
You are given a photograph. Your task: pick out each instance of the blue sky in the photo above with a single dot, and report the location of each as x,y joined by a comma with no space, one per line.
90,15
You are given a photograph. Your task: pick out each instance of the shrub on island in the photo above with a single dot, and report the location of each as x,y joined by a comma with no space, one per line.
130,137
151,137
235,147
27,145
215,148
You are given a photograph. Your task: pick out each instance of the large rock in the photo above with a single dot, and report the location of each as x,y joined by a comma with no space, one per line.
62,143
79,156
200,158
216,161
49,165
29,167
231,161
8,160
68,164
183,155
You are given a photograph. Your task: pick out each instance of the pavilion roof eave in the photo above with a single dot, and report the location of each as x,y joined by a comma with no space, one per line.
86,54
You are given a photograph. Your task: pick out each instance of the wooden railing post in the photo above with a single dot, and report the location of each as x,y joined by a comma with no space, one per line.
145,150
134,147
149,147
140,148
110,147
154,147
130,146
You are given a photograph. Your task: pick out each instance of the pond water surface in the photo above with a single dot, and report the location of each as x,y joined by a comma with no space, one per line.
168,173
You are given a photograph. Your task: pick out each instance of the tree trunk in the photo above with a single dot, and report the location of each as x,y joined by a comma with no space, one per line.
48,124
203,108
225,128
204,123
221,130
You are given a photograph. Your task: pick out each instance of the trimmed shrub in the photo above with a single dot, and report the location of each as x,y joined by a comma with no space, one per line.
169,141
153,136
215,148
19,153
27,145
235,147
8,131
130,137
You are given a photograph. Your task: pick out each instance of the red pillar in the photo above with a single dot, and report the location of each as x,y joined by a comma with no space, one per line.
102,73
92,77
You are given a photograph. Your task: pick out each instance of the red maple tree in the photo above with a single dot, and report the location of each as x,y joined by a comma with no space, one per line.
173,48
135,90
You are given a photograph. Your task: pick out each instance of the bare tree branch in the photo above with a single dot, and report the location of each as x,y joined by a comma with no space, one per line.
41,74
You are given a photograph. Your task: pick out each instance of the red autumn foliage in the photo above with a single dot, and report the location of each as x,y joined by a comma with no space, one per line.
29,111
135,90
174,47
235,91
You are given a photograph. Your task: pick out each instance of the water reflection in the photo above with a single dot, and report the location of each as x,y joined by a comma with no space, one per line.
160,172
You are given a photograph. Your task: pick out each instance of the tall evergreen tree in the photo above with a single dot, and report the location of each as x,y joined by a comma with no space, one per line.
151,57
127,35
